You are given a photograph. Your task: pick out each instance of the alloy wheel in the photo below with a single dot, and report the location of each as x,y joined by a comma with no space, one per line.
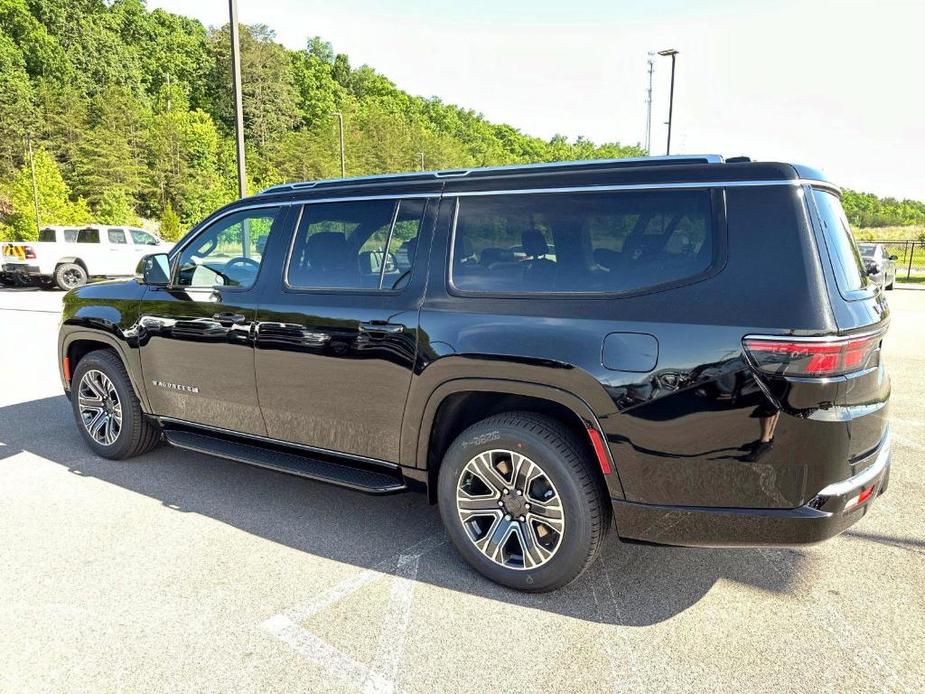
510,509
71,278
99,407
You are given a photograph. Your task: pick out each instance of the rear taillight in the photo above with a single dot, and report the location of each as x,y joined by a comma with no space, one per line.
29,252
835,356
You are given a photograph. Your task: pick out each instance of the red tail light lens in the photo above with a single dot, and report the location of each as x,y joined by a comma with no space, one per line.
29,252
813,357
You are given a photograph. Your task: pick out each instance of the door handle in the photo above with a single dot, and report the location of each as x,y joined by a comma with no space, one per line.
381,327
235,318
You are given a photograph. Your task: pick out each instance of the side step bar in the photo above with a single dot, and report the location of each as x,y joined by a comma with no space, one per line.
359,479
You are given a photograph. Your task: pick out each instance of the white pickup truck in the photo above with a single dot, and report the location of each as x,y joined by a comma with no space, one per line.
68,256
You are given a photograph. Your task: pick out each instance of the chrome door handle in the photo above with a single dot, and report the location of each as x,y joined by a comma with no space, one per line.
381,327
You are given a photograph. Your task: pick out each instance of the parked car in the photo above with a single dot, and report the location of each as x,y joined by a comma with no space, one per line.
881,268
67,257
698,363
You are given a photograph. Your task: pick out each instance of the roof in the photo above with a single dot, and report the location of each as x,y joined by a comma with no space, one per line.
545,167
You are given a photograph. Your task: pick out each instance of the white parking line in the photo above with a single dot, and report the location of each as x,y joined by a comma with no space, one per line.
380,676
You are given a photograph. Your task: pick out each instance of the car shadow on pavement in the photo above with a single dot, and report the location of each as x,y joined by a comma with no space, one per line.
633,585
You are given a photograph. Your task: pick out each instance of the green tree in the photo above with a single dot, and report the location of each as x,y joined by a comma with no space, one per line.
16,110
170,224
116,206
55,204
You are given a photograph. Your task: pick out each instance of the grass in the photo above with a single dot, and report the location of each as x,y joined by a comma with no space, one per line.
908,233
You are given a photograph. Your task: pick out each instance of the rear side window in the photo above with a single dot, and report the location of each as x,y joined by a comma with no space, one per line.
88,236
366,244
116,236
70,235
581,242
849,268
47,236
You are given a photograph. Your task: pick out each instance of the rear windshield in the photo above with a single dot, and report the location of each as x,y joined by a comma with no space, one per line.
88,236
849,270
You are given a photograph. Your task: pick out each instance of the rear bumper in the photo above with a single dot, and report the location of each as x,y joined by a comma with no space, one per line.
21,269
834,509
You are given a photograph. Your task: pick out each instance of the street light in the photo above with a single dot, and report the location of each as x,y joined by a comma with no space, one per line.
343,161
672,52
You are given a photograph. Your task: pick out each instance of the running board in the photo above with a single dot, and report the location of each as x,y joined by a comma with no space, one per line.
359,479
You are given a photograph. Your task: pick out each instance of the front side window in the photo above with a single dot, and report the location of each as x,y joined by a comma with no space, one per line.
142,238
581,242
229,252
368,244
116,236
849,268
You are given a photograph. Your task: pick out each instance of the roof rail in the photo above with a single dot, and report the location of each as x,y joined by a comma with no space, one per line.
666,160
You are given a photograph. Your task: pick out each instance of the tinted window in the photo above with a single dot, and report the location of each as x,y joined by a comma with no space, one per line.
142,238
116,236
229,252
355,245
581,242
47,235
88,236
849,270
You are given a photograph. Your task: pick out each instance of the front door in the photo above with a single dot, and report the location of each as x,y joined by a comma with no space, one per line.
336,338
196,337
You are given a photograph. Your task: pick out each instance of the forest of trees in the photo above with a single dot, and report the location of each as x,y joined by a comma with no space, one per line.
129,115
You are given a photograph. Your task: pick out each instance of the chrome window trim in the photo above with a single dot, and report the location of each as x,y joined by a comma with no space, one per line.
795,183
835,339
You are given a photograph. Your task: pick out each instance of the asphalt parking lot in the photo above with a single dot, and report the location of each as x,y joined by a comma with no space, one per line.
181,572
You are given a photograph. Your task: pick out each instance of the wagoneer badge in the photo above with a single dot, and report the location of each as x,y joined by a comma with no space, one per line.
175,386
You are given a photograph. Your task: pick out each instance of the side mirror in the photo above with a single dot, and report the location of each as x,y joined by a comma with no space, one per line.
894,257
154,270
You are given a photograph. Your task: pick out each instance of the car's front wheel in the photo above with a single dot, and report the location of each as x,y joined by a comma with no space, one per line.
521,503
107,410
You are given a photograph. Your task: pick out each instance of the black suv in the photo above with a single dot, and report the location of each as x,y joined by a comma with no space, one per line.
683,349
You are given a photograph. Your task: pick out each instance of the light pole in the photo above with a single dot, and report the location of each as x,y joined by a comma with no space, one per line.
672,52
35,189
651,64
343,161
421,154
238,107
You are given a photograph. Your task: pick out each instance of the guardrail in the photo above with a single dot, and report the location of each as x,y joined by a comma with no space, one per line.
910,254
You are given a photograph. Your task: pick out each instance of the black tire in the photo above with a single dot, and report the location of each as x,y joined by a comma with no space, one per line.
137,433
70,276
889,287
553,449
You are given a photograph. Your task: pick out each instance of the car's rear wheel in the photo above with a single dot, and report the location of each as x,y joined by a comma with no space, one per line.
521,503
70,276
107,410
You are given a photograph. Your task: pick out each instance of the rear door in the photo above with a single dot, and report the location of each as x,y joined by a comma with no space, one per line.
118,253
337,335
196,335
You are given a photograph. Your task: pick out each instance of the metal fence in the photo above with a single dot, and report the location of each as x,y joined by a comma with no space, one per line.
910,255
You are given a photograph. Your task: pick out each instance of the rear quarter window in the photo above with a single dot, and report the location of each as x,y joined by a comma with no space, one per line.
583,242
843,251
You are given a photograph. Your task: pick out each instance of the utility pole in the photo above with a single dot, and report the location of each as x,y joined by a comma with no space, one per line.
35,189
673,53
340,130
651,63
422,160
238,107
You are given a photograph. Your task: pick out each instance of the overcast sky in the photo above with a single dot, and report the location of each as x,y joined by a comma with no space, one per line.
835,84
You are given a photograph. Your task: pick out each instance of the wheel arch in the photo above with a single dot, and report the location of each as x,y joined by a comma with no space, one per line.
78,344
72,259
458,403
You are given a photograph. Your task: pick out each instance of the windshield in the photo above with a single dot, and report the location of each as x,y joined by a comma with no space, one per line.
867,249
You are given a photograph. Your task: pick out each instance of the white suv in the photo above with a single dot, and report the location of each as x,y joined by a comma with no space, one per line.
69,256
